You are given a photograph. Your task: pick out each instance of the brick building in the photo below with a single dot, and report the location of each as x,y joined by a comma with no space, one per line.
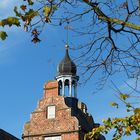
59,114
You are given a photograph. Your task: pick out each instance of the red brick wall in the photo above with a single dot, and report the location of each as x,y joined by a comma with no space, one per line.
71,136
64,124
51,88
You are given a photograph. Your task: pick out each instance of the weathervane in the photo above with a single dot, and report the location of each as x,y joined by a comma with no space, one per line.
67,32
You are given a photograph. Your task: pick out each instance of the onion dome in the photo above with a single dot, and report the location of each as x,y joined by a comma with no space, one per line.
66,66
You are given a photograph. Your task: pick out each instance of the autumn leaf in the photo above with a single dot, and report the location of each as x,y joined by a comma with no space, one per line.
36,39
16,12
3,35
46,11
137,111
10,21
128,105
30,2
31,14
114,104
23,7
124,96
128,130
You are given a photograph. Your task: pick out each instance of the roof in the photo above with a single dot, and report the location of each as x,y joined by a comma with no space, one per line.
66,66
6,136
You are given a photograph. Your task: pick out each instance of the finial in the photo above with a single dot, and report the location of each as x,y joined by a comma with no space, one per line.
67,46
67,29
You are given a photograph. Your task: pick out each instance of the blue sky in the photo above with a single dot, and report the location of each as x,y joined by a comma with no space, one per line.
25,67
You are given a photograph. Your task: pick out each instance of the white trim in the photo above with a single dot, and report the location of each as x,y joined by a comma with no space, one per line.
71,78
53,138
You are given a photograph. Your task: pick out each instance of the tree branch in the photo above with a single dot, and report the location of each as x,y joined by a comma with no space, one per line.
102,16
118,21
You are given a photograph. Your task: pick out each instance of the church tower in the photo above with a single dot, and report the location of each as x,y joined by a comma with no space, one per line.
59,115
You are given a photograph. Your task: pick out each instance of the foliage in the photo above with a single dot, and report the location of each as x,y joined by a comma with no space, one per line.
3,35
124,126
8,21
121,126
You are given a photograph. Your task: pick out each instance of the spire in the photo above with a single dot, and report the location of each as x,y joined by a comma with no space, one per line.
67,57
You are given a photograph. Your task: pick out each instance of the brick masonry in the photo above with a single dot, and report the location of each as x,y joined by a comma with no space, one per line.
71,121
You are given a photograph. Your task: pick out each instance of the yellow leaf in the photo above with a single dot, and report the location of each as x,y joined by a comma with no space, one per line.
137,110
124,96
47,11
3,35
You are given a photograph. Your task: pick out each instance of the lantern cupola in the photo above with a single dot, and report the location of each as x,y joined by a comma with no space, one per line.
66,76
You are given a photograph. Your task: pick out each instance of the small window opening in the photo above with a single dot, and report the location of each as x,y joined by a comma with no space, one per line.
51,112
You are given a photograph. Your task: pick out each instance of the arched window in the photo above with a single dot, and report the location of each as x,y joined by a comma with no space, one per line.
66,87
60,87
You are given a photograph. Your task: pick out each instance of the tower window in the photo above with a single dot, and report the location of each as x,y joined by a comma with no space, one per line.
51,112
